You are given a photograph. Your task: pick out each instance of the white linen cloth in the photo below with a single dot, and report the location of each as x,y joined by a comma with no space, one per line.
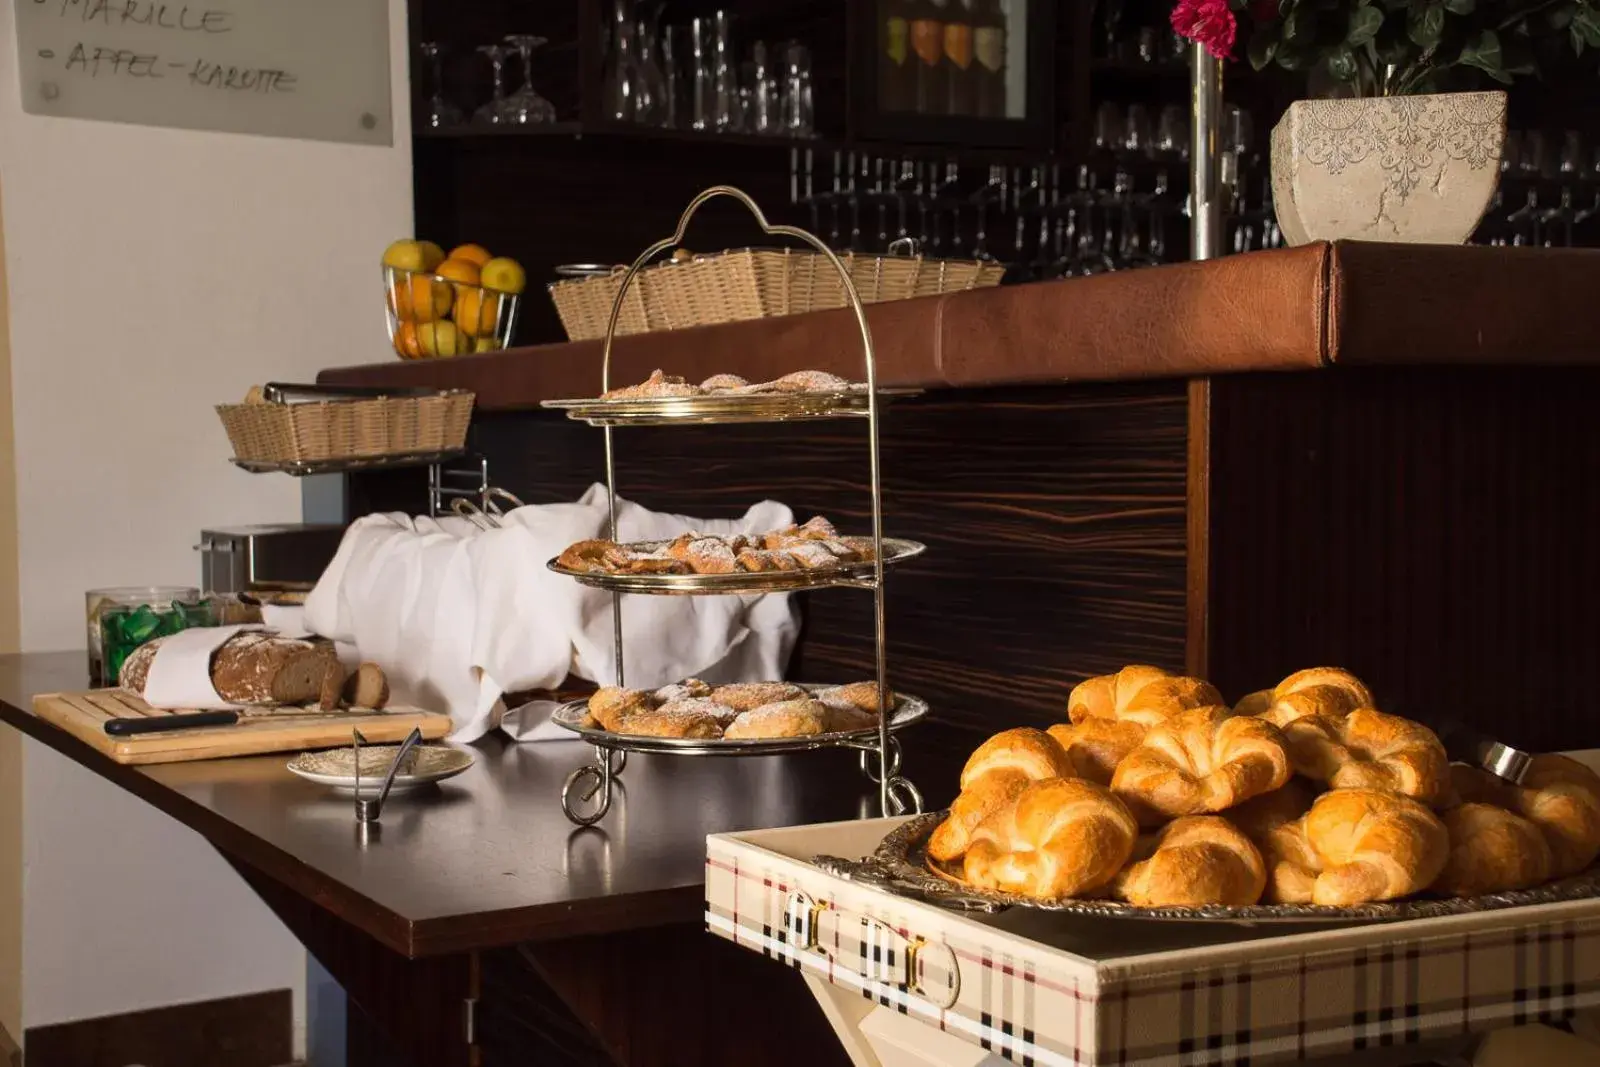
180,672
457,615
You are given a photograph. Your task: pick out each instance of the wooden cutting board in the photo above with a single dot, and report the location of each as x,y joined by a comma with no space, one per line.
84,715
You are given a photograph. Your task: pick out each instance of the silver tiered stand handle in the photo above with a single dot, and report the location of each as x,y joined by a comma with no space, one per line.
586,796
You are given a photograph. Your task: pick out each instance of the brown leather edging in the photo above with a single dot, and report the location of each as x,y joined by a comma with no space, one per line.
1329,298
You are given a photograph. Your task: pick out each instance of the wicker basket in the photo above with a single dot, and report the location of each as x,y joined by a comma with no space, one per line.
753,284
335,430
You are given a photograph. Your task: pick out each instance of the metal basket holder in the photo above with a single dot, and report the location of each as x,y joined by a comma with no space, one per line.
586,795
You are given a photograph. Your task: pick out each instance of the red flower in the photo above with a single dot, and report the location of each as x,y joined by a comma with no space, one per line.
1207,21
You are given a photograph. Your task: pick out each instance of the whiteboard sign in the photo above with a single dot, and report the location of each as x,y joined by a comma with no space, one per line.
315,69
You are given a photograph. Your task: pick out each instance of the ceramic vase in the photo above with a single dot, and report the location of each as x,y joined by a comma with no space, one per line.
1411,169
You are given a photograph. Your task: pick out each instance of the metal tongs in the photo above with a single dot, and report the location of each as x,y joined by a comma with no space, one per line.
369,810
487,515
1463,744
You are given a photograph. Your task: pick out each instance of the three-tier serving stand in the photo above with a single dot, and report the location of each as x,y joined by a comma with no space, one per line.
586,795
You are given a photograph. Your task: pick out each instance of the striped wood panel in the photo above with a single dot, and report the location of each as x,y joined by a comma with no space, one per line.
1054,520
1434,531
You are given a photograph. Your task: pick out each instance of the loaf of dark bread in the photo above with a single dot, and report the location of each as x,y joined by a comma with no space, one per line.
255,668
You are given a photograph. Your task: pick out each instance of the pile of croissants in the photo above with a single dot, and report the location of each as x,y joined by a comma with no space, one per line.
1158,794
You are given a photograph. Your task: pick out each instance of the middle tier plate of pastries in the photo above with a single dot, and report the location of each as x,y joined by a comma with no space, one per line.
743,719
810,556
664,399
1157,800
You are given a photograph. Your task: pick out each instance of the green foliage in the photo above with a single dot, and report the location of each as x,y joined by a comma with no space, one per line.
1392,47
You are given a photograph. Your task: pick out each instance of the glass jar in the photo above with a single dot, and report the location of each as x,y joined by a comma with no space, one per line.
122,619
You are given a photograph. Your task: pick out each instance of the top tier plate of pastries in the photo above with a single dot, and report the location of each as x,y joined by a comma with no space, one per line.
742,719
808,556
668,398
1155,799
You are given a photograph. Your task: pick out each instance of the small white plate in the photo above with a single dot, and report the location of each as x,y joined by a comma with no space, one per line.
336,767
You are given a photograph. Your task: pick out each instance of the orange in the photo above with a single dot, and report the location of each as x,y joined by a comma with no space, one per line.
439,339
477,255
405,341
429,298
476,311
458,270
400,298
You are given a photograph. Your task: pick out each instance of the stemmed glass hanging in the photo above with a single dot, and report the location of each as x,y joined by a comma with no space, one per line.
441,112
525,106
493,113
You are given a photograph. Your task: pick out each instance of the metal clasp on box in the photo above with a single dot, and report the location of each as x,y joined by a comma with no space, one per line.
873,950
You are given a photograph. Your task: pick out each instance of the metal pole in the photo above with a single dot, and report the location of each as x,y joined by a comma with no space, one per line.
1205,150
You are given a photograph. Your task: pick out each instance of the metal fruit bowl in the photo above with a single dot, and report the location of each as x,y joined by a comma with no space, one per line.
433,317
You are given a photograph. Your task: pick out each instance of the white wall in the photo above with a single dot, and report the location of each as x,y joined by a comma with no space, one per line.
152,274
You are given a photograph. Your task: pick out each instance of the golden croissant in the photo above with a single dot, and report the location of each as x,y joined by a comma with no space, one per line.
993,777
1196,860
1061,837
1367,749
1095,746
1491,851
1315,691
1275,823
1143,695
1559,795
1374,846
1205,760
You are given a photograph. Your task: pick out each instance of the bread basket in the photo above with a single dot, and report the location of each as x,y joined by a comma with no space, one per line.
753,283
268,432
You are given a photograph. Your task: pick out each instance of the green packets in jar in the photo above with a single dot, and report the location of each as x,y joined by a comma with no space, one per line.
120,620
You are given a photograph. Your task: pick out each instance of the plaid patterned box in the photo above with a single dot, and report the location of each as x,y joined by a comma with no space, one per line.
1051,989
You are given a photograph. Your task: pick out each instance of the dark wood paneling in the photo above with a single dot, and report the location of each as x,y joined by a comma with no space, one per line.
1432,531
1054,520
248,1031
665,997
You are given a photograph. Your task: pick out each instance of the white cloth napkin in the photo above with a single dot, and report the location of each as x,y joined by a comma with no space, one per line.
180,672
458,616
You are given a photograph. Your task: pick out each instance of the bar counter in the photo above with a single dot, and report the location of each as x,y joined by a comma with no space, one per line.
1104,472
405,917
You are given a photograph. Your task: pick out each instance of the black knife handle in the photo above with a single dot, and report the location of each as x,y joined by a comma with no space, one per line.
161,723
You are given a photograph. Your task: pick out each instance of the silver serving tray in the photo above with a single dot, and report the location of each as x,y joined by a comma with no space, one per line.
907,710
901,866
723,407
895,550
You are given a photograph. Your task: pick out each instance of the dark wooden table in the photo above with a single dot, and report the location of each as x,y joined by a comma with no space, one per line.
478,925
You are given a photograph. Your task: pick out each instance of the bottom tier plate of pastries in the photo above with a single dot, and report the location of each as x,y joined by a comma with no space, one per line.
1156,799
745,718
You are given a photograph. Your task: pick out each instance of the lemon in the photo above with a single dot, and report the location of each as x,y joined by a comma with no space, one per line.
405,255
439,338
432,254
504,275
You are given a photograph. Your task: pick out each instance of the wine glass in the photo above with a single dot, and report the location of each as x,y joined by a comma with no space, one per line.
493,112
441,112
525,106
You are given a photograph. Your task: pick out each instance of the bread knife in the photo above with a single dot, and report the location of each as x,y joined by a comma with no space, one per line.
162,723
